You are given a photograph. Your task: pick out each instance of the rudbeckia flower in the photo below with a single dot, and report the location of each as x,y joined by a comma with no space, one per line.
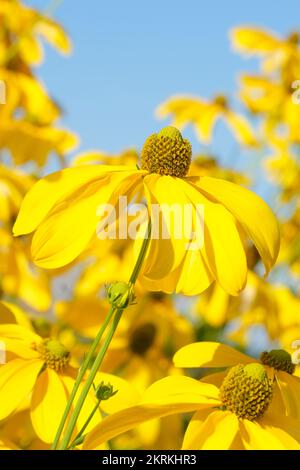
277,363
203,116
42,370
275,51
62,211
225,418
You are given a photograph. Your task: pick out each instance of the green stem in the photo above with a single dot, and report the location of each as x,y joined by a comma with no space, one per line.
83,368
102,351
78,438
90,379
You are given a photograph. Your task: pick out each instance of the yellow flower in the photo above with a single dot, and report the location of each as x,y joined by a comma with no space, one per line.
275,51
224,418
18,430
203,115
26,141
277,363
23,28
42,369
13,186
62,211
19,276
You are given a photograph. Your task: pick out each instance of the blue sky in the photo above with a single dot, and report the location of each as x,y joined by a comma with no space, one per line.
131,55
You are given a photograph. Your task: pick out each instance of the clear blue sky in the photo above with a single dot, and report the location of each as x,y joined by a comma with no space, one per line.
129,55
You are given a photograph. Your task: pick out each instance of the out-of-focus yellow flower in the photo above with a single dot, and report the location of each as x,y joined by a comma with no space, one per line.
13,186
26,93
207,165
19,276
12,313
62,210
26,141
278,365
19,431
284,170
21,29
41,368
275,51
224,419
273,99
203,115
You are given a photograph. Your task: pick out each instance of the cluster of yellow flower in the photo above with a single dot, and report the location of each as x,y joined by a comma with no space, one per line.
114,359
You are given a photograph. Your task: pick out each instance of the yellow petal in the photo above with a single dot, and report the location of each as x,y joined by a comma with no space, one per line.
47,404
289,386
254,40
209,354
18,332
285,427
125,397
166,248
181,390
217,432
241,128
168,396
17,379
256,436
251,211
54,188
67,230
223,251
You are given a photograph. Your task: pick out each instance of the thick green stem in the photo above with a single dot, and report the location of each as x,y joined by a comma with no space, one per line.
83,368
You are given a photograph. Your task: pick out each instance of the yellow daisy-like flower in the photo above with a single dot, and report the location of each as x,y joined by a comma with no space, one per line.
40,368
62,211
203,115
225,418
277,363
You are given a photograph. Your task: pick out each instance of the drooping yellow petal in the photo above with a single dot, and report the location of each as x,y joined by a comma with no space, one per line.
289,386
209,354
67,230
180,389
55,188
47,404
17,379
252,213
217,432
167,247
256,436
222,251
165,397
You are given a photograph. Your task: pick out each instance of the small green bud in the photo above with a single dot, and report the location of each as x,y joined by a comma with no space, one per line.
120,294
105,391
